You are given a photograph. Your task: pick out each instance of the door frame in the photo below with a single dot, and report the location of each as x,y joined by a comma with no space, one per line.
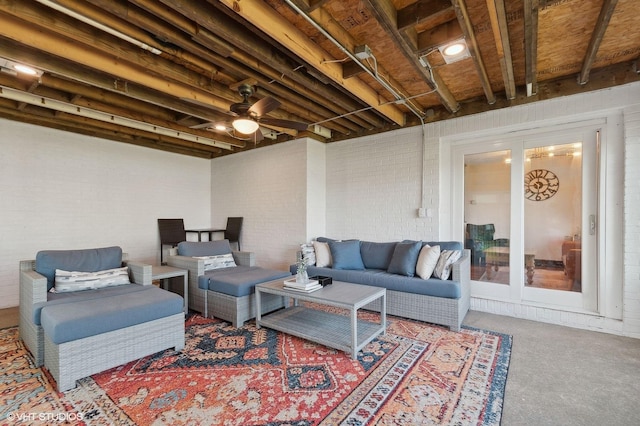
453,149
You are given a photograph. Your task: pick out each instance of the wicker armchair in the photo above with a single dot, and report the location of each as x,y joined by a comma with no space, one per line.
34,293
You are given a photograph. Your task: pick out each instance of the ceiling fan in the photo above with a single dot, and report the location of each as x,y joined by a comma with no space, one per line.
248,116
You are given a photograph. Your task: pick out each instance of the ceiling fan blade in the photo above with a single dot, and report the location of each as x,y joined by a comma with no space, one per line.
284,123
264,106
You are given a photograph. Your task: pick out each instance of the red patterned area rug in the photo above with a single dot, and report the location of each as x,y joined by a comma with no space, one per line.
417,373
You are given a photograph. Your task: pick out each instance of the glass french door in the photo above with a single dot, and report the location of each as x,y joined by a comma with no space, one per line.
530,213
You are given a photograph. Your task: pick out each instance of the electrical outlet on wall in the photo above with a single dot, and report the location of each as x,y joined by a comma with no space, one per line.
422,212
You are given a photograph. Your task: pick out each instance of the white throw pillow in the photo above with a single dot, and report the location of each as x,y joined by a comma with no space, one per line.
308,253
447,258
66,281
218,262
427,261
323,254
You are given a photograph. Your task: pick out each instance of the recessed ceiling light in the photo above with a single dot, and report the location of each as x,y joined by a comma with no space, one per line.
220,127
454,51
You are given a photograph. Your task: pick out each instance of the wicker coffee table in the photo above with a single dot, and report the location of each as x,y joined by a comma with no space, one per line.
346,333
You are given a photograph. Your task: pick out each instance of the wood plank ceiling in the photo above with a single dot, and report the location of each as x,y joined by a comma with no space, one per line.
160,74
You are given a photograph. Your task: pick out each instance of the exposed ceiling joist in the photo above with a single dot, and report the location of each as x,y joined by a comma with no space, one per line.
355,67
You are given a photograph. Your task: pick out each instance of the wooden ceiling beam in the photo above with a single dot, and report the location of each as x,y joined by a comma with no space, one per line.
259,56
386,15
531,45
103,81
220,49
498,17
302,95
267,20
53,43
596,38
442,34
352,68
420,11
66,122
464,20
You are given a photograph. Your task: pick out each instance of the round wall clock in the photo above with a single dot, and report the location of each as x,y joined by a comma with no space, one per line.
540,185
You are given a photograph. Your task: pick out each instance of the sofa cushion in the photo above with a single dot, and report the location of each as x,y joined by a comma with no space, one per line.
81,296
86,260
447,258
72,321
427,261
346,255
75,280
323,253
376,255
392,282
204,248
217,262
405,256
239,281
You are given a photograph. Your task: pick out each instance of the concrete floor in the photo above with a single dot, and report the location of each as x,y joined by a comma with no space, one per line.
557,375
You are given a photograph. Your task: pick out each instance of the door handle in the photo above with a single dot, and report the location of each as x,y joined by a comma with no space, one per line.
592,224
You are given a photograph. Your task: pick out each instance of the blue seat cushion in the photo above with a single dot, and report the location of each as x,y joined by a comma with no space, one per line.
81,296
238,281
87,260
72,321
395,282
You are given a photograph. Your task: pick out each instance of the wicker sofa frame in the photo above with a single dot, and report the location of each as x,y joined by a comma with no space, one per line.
437,310
70,361
210,303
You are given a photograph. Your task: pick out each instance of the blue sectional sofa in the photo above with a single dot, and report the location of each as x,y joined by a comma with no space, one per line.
392,265
95,322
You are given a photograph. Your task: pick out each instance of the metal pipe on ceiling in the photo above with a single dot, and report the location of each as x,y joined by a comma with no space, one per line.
351,56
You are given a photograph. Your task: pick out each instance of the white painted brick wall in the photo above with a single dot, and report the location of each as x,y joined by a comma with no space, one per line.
267,187
60,190
374,188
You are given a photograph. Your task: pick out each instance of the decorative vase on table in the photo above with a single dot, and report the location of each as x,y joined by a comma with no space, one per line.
301,275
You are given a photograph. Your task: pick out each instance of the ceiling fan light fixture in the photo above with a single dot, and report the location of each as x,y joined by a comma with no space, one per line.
454,51
245,126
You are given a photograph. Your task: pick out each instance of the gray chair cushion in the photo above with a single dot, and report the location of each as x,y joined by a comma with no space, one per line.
87,260
238,281
73,321
205,248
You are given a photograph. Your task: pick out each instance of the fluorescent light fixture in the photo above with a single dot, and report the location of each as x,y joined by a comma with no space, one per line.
25,69
245,126
454,51
13,67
